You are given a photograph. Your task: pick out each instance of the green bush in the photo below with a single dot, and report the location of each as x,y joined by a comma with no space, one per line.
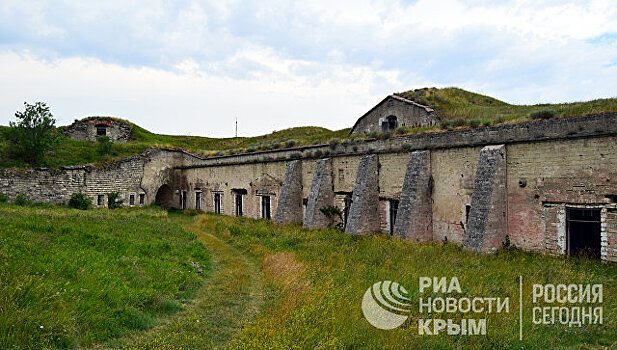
543,114
104,145
113,200
22,200
445,124
459,122
333,144
79,201
403,130
474,123
290,143
3,198
487,123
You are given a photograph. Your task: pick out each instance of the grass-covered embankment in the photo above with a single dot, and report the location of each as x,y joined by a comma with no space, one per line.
320,276
73,278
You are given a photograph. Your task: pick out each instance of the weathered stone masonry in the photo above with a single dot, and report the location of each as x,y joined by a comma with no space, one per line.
548,169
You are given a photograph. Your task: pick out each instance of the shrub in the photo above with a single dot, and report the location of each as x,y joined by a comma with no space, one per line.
543,114
79,201
333,144
290,143
316,142
385,135
345,142
474,123
500,119
445,124
331,212
104,145
403,130
3,198
22,200
113,200
317,154
372,134
487,123
459,122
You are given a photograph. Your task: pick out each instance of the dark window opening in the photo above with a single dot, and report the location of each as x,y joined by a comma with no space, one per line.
467,210
239,211
265,207
346,205
393,211
100,200
131,199
583,232
142,198
197,200
101,131
182,200
217,203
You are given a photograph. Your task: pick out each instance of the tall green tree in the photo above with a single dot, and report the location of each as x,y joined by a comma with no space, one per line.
33,134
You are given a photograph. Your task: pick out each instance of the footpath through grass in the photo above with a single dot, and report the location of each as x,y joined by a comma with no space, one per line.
72,278
319,278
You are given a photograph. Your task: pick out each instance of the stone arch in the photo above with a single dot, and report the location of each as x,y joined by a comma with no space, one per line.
164,196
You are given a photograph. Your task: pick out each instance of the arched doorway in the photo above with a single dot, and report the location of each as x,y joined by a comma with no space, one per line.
164,197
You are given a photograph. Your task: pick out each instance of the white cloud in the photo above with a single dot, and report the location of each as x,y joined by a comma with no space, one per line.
277,64
182,102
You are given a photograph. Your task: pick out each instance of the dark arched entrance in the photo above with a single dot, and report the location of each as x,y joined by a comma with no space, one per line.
164,197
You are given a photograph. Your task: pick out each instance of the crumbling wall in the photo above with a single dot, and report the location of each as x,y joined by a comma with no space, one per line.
86,129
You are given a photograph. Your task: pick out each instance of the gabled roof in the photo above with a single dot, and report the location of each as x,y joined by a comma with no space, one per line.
398,98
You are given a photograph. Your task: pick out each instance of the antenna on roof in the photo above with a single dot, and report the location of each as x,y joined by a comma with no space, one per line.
236,126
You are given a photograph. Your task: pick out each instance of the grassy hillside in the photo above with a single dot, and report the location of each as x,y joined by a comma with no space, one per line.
453,103
73,152
73,278
458,108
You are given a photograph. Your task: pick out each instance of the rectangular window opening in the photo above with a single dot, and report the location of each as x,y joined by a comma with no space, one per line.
142,198
239,211
265,207
131,199
197,200
217,203
100,199
583,232
393,212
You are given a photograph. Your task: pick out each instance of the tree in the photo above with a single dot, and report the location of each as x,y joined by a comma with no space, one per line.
33,134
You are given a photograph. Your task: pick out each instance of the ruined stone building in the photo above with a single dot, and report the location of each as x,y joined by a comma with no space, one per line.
89,129
546,186
394,112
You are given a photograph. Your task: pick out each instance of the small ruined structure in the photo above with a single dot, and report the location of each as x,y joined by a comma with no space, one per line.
545,186
394,112
91,128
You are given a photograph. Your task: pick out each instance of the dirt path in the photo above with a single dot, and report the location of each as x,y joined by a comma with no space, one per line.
230,297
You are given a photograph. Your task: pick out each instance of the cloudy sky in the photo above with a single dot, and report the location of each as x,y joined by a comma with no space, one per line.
193,67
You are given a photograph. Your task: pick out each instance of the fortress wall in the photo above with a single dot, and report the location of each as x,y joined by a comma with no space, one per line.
257,179
545,176
57,185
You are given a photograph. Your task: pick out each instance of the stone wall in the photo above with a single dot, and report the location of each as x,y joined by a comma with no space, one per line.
87,129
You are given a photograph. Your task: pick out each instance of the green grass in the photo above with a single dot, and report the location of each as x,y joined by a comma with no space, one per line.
319,277
453,103
73,278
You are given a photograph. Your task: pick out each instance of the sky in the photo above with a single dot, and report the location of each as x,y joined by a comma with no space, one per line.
193,67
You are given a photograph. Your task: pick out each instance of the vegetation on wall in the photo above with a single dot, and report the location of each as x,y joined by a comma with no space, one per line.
453,104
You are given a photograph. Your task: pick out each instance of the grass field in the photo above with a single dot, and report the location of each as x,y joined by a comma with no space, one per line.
75,278
319,278
112,279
